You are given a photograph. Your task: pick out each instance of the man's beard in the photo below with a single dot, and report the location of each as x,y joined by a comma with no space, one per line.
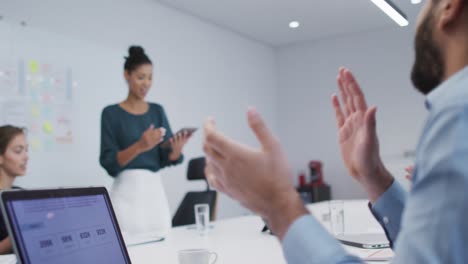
428,69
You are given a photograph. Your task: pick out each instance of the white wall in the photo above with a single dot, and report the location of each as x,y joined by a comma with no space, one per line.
307,77
203,70
200,70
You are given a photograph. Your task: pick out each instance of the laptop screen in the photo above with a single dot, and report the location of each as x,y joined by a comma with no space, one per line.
77,229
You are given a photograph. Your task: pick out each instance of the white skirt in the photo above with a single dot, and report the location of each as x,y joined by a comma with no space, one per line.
140,203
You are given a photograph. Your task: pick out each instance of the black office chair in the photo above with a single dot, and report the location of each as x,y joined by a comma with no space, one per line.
185,214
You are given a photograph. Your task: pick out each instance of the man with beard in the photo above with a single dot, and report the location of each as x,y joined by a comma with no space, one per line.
433,228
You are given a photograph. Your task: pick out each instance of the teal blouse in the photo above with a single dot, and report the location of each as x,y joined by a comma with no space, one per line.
120,129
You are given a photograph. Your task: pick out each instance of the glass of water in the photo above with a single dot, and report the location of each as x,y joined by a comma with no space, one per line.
202,218
336,208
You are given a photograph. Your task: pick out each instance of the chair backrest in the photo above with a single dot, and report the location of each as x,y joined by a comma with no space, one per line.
196,170
185,214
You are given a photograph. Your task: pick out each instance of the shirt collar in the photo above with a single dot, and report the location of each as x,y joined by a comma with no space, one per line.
448,89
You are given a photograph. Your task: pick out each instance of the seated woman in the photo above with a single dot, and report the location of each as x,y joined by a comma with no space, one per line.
13,162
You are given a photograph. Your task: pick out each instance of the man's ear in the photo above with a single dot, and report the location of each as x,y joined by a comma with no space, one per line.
450,11
1,159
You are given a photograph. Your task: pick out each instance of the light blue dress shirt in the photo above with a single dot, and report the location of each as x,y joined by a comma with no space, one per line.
428,225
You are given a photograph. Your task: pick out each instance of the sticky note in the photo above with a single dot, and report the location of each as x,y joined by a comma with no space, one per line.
48,144
47,111
35,144
35,111
34,95
33,66
46,98
48,128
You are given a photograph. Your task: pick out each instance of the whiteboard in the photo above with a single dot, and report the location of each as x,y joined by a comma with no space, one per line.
56,86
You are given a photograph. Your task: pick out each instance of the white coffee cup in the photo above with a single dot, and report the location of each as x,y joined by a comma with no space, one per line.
197,256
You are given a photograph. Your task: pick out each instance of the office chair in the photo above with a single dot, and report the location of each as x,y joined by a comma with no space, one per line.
185,214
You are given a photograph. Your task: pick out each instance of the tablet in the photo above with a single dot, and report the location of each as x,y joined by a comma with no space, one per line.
188,130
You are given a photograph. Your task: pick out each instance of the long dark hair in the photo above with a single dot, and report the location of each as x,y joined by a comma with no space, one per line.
136,57
7,133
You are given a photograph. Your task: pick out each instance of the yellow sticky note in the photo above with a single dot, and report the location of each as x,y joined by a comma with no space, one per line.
33,66
35,111
35,144
47,127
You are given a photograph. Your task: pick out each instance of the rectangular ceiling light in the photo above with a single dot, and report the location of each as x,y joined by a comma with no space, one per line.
392,11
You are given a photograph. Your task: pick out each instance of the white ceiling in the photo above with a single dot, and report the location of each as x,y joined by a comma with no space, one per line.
267,20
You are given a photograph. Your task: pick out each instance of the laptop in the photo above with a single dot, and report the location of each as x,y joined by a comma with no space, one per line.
70,226
368,241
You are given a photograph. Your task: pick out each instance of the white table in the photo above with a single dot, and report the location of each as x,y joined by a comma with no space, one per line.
236,241
239,240
357,220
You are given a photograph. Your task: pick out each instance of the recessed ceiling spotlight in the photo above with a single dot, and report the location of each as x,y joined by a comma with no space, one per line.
415,2
294,24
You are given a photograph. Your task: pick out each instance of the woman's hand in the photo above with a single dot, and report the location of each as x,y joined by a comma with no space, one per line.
151,137
177,144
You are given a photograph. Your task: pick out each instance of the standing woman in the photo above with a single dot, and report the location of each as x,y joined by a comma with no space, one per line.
131,132
13,162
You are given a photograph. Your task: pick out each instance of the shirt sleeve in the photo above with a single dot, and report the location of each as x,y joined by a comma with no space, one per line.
165,152
307,242
109,147
434,223
388,210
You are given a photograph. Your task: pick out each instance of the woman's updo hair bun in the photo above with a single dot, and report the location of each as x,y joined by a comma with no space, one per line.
134,51
136,57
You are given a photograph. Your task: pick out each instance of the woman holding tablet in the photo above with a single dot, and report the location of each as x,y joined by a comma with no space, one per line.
13,163
131,133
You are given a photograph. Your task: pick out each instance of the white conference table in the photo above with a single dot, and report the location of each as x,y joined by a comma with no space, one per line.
239,240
